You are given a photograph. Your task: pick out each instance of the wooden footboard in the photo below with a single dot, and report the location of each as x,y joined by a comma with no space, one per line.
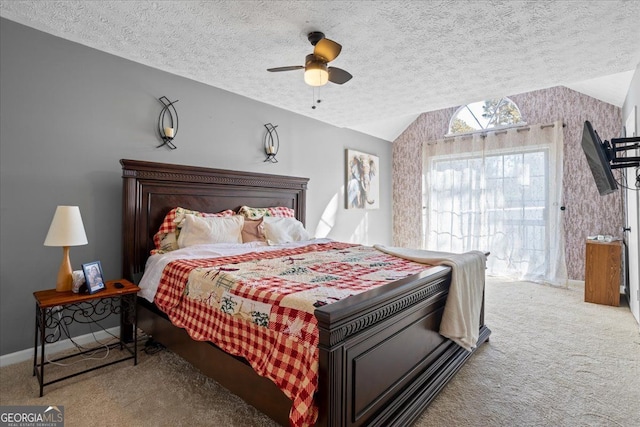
382,359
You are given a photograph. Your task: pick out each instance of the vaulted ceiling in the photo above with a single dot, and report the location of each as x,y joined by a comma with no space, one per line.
407,57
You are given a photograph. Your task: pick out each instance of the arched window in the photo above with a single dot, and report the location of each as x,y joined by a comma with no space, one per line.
491,113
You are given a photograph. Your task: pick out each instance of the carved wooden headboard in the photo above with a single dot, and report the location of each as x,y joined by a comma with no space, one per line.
150,190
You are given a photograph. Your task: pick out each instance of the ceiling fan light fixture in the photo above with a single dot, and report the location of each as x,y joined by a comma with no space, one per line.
316,74
316,71
316,77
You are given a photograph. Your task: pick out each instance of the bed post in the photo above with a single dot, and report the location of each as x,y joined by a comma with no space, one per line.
129,208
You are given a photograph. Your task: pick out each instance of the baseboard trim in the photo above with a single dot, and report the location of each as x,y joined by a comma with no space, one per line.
22,355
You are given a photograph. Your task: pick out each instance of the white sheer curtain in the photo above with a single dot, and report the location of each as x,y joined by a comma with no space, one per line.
499,191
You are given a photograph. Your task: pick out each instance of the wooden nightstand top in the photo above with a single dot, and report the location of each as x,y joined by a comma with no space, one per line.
52,298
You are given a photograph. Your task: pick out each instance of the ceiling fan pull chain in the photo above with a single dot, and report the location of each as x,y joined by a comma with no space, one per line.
316,99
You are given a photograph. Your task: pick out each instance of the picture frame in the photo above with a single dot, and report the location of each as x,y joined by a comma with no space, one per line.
93,276
362,187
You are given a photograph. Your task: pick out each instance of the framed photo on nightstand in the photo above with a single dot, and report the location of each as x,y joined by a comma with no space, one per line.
93,276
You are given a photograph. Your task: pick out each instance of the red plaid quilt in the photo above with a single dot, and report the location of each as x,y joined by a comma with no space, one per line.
260,306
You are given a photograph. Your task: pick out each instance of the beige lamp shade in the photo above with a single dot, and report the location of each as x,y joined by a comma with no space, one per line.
66,230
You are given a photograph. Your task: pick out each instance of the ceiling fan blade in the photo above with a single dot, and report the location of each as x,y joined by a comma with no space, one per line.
327,49
289,68
338,75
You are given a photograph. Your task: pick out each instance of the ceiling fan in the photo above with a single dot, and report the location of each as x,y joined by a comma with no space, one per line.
316,71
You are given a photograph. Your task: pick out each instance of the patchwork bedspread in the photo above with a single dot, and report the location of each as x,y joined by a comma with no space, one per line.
260,306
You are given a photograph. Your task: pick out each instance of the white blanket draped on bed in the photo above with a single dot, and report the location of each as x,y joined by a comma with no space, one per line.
461,317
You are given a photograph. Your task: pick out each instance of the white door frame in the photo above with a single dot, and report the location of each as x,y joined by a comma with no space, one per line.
632,223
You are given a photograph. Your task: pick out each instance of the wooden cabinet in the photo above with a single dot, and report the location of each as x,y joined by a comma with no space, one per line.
602,272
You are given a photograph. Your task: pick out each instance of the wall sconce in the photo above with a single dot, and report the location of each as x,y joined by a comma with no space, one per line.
168,122
271,143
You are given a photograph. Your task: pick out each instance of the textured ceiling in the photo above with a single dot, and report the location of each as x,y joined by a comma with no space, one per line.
407,57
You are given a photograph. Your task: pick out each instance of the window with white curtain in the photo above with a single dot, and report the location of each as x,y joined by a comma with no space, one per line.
499,192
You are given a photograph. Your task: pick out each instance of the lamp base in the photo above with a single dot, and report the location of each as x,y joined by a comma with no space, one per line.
65,278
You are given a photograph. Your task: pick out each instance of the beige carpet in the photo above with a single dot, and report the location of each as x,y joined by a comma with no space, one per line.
553,360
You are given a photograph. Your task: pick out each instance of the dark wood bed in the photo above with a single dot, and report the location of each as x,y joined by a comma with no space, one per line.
394,327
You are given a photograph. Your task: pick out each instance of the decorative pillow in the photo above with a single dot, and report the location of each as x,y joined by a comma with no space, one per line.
252,231
166,239
284,230
257,213
198,230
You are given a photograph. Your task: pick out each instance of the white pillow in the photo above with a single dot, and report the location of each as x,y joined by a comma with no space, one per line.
208,230
283,230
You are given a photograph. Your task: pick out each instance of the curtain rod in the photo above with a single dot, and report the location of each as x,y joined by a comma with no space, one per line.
483,133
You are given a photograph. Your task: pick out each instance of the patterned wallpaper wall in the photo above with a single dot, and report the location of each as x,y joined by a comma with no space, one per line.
587,213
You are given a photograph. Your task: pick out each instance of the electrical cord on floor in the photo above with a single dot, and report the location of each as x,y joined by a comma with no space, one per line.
91,355
150,346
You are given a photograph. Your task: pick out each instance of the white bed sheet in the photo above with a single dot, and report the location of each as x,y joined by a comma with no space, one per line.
156,263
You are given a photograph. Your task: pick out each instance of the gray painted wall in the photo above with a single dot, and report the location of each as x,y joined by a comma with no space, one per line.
68,113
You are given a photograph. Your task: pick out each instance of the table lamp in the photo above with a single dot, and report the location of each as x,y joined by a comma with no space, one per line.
66,230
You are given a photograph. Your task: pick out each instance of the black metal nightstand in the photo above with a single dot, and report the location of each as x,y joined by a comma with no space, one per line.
55,310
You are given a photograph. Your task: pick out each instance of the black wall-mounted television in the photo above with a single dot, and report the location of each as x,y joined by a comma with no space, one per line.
599,160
